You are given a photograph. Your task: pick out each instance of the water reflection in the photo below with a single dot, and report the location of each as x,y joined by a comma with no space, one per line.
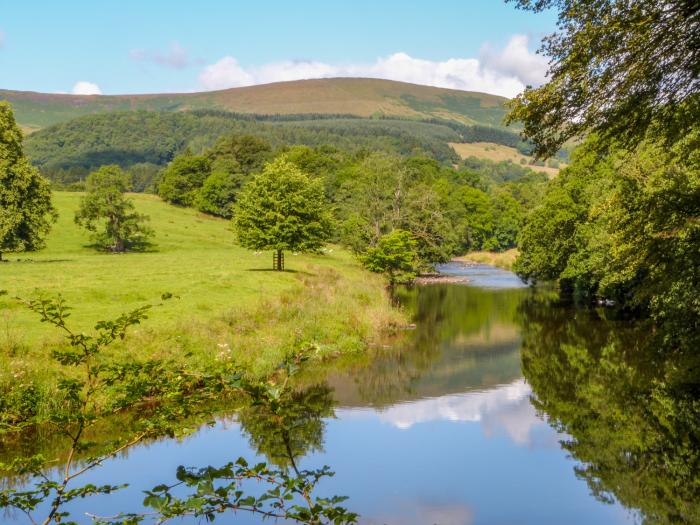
631,408
465,339
290,427
442,427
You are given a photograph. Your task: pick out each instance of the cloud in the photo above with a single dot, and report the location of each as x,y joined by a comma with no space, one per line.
84,87
176,57
505,408
504,72
516,60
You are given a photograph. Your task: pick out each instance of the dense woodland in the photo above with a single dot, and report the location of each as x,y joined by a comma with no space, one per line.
67,152
447,210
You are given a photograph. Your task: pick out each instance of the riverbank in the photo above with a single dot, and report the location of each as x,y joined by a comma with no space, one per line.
504,260
227,307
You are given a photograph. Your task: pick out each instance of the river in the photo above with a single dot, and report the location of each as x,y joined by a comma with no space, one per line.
500,407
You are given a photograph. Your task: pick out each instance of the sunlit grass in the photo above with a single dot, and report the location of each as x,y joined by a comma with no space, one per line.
503,260
227,305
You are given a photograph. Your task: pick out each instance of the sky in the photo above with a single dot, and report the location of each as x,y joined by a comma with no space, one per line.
129,46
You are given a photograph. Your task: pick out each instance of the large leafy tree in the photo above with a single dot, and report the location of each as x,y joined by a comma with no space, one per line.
183,178
26,212
282,209
107,213
617,67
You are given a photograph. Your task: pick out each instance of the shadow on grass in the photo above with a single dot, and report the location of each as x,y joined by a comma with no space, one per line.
271,270
140,248
300,272
40,261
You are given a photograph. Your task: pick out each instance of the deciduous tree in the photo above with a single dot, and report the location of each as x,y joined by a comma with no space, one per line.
282,209
394,255
617,67
26,212
107,213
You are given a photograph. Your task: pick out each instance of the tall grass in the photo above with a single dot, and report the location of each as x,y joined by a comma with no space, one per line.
227,308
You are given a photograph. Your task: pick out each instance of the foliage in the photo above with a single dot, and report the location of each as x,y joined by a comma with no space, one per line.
625,228
26,212
394,255
105,204
214,490
617,67
240,153
628,413
218,194
385,193
182,179
282,209
68,152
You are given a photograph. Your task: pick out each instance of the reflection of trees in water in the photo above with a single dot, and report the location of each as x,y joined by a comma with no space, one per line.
289,426
438,351
631,409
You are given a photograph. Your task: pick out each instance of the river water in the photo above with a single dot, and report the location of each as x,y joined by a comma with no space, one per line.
495,409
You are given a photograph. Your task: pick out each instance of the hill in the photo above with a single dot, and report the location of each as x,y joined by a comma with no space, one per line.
499,153
361,97
222,295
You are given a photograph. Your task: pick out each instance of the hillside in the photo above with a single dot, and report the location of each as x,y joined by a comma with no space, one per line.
362,97
500,153
216,286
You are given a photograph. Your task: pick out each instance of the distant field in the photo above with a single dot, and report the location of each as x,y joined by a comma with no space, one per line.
503,260
498,153
362,97
226,297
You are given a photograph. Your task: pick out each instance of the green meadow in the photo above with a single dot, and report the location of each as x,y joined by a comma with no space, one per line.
227,305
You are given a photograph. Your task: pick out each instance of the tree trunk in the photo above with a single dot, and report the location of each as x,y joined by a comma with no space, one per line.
119,245
278,263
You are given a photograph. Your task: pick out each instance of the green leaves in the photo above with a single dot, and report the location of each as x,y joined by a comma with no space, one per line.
109,215
395,255
618,68
180,409
282,209
26,212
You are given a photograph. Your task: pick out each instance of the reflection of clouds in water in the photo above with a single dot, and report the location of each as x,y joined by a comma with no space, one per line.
419,513
504,408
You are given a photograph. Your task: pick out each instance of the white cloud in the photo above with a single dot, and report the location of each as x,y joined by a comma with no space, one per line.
516,60
84,87
505,408
504,72
175,57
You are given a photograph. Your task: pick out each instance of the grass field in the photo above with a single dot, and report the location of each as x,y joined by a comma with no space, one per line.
499,153
227,305
503,260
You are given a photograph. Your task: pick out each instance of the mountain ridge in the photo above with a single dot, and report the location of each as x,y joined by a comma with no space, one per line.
362,97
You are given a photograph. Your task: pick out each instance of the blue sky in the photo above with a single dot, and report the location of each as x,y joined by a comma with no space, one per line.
153,46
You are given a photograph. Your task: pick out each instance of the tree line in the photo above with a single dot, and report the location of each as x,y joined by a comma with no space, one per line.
66,153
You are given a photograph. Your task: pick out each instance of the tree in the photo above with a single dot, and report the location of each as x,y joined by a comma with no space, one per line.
394,255
105,205
218,193
240,153
26,212
618,67
282,209
182,179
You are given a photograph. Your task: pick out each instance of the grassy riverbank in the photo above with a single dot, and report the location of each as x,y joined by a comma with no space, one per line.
227,305
503,260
